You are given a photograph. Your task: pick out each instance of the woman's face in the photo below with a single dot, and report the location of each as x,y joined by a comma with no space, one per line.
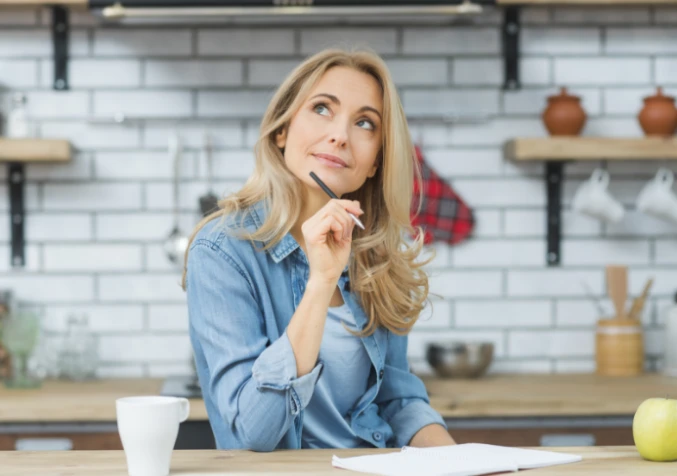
337,132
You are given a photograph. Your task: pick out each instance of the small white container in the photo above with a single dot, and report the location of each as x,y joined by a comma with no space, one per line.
18,123
670,360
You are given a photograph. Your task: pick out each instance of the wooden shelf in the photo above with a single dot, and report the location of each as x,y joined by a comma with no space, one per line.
34,150
609,3
554,151
590,148
39,3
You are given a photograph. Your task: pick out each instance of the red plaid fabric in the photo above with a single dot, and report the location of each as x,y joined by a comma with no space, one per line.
444,216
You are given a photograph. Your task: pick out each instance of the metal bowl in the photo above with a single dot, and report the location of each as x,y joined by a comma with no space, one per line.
460,359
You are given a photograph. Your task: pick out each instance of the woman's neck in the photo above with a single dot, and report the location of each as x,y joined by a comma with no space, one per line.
313,200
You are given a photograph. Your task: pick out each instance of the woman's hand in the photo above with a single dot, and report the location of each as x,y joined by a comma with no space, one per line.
328,236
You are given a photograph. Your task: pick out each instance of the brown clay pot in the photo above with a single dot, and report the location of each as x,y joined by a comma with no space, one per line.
564,115
658,117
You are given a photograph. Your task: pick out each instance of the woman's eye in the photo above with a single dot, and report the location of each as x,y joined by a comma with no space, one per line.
370,125
321,109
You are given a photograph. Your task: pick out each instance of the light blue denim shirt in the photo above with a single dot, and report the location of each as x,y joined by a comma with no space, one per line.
345,378
240,301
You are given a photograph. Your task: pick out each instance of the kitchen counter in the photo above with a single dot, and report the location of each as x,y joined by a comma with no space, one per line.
67,401
536,395
562,395
599,460
510,410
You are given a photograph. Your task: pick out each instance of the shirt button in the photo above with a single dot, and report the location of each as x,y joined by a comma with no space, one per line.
381,374
377,436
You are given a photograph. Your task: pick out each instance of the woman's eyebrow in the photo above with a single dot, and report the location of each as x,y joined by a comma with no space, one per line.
335,100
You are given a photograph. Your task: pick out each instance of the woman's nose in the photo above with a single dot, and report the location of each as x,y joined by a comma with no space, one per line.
339,135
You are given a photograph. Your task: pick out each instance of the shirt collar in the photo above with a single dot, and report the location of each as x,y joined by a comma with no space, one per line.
287,245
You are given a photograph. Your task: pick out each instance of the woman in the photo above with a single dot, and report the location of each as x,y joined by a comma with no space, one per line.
298,319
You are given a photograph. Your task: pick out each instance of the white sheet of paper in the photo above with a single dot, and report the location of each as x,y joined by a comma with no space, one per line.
469,459
408,464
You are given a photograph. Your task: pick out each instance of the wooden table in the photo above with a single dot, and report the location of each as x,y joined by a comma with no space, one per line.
596,461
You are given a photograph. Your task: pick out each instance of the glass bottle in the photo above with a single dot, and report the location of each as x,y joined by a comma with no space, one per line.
79,355
18,122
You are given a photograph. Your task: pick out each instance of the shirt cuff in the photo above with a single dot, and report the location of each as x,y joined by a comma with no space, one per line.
275,369
411,418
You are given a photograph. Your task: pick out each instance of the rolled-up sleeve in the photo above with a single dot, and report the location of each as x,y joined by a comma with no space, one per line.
251,381
403,398
276,369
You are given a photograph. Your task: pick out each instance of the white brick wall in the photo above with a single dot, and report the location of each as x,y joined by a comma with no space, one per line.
95,226
139,43
381,40
245,42
97,73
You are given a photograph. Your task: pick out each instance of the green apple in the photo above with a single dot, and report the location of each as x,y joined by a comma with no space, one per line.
654,429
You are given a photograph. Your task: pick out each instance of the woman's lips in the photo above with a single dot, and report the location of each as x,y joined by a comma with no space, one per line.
331,161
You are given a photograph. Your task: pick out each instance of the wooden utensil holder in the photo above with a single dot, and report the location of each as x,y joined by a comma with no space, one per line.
619,347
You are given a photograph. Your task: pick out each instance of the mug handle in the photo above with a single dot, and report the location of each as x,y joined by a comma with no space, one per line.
600,177
185,409
665,177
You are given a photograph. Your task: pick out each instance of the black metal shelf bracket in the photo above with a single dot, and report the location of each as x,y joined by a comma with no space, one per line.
554,176
60,31
511,52
16,180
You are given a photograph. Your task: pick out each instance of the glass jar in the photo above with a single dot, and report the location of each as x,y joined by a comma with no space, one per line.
79,355
19,336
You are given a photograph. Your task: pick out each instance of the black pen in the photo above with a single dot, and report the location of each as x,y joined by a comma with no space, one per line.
333,195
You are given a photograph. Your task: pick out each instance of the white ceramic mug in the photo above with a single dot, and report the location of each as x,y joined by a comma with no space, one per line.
657,198
593,198
148,427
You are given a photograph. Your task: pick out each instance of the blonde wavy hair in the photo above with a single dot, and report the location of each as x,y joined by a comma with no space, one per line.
385,271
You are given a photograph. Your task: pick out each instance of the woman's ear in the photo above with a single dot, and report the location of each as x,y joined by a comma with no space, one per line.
376,165
281,138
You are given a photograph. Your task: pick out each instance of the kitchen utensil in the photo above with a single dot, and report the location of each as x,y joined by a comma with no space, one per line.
176,243
209,202
617,287
619,347
638,302
457,359
670,339
596,302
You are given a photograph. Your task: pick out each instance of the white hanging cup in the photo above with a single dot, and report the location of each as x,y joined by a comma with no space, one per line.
593,199
657,197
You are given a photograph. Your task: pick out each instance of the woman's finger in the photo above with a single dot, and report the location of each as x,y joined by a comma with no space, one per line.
329,226
352,206
342,215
